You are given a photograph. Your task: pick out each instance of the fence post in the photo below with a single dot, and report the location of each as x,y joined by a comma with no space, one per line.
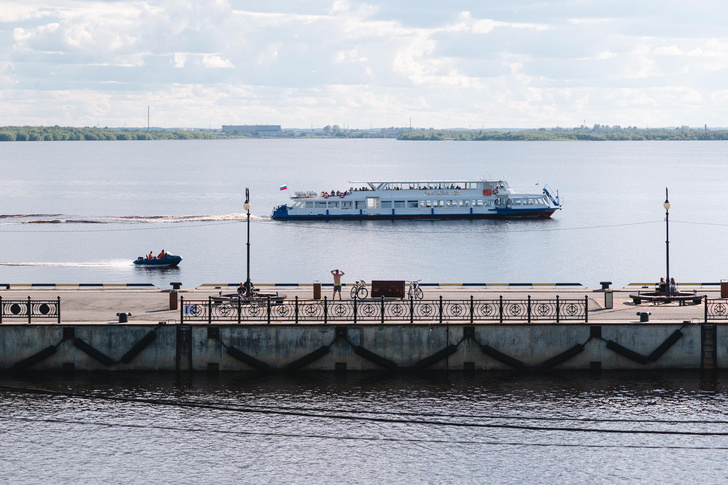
209,310
29,321
500,308
586,309
382,319
268,297
528,311
472,309
296,310
181,309
326,310
355,311
558,309
706,309
59,308
440,309
412,309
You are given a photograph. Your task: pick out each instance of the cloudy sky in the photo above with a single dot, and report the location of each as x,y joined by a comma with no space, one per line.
304,63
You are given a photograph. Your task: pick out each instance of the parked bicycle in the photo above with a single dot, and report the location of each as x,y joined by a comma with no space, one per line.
359,290
415,292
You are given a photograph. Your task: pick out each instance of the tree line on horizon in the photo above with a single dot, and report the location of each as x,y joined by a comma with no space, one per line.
596,133
62,133
582,133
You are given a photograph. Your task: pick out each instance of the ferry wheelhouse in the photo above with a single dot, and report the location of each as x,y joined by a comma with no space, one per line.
442,199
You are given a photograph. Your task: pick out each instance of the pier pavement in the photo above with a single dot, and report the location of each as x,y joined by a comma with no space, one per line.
152,305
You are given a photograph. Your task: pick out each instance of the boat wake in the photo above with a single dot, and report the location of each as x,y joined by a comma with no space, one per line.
152,219
79,264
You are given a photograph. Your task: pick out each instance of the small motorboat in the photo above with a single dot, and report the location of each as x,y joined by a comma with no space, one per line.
166,261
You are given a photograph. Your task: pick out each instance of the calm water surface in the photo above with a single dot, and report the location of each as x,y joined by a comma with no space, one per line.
482,428
81,212
111,202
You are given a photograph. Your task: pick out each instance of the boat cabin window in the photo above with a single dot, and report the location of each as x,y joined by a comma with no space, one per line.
438,203
464,203
361,204
399,204
479,203
413,204
333,205
320,205
372,202
347,204
309,205
386,204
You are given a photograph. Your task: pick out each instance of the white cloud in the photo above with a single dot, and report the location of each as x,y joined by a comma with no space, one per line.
358,62
217,62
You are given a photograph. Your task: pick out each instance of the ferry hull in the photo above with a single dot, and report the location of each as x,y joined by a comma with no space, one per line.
506,214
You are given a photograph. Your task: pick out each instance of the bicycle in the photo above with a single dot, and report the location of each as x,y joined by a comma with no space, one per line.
359,290
415,292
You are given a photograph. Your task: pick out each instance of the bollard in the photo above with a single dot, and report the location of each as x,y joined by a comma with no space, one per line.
644,316
123,316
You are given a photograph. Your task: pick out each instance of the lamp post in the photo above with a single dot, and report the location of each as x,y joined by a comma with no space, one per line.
246,206
666,205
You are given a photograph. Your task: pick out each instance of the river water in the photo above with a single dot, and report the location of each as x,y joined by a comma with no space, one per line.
482,428
81,212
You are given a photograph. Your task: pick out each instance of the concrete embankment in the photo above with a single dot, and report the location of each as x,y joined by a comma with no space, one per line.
349,347
89,338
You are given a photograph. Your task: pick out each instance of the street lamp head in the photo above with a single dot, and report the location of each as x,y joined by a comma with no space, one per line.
246,205
666,205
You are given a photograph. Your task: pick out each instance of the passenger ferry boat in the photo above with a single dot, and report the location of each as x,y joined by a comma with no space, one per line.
441,199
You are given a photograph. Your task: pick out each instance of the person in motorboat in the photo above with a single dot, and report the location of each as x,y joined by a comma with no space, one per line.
150,255
161,254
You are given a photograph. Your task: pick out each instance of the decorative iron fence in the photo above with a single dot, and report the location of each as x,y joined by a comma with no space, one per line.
384,311
716,309
30,309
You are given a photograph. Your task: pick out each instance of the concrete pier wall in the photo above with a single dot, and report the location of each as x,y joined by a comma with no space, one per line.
136,347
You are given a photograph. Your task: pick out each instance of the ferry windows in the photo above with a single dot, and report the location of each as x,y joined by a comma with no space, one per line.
333,205
361,204
486,203
412,204
308,205
320,205
399,204
347,204
479,203
372,202
386,204
464,203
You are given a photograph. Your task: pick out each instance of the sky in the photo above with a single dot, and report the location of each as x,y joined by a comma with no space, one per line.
361,64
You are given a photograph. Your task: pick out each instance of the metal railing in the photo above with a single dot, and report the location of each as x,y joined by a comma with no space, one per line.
326,311
30,309
716,309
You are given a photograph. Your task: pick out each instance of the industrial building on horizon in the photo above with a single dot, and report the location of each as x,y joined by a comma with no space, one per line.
252,130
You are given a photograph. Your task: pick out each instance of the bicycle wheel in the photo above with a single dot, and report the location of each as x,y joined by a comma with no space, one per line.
362,293
418,293
354,290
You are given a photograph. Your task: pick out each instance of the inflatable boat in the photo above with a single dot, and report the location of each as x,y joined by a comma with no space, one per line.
166,261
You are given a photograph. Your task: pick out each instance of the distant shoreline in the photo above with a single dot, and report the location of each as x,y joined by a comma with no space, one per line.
595,133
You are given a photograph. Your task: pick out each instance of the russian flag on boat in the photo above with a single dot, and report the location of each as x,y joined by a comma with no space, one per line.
284,187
